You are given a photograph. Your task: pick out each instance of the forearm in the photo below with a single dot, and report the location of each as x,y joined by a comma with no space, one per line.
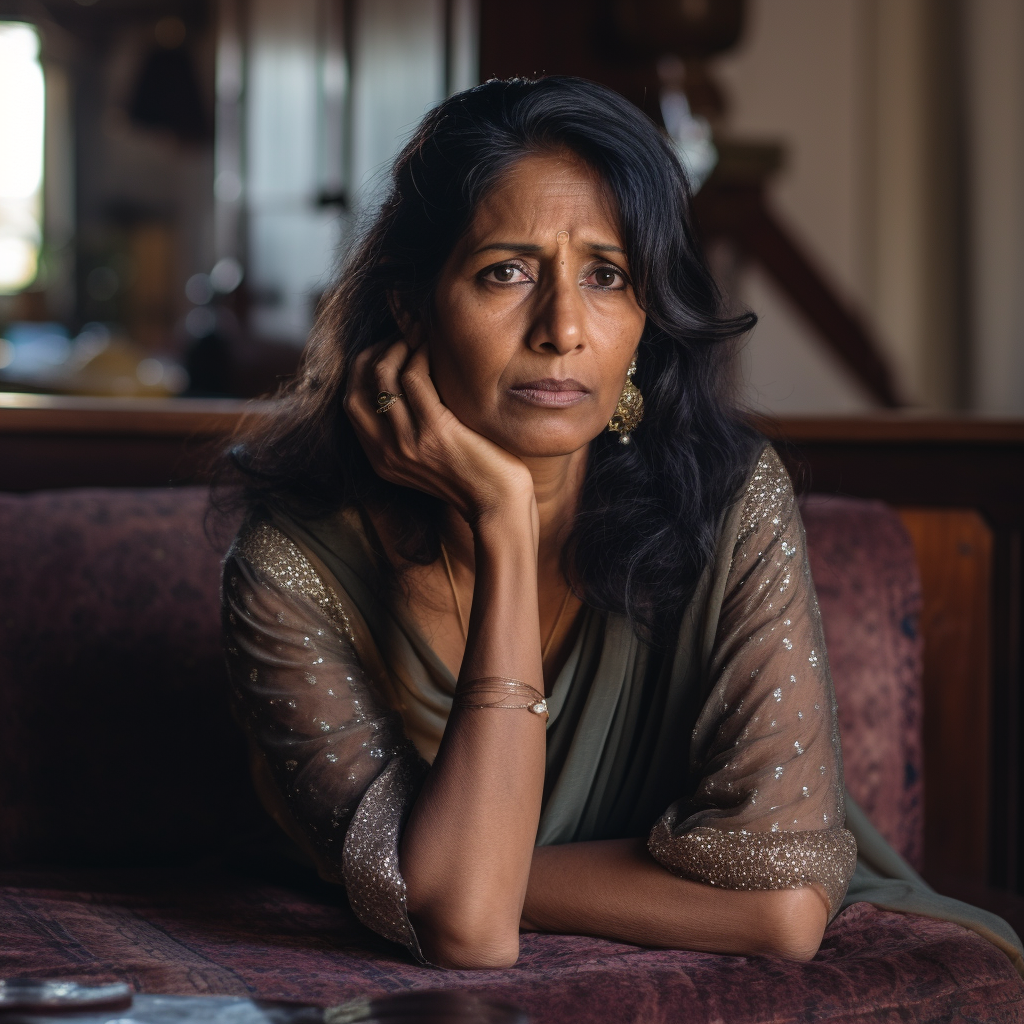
614,889
468,845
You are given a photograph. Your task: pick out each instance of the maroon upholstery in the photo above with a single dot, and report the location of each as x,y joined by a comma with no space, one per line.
115,740
217,935
865,572
116,749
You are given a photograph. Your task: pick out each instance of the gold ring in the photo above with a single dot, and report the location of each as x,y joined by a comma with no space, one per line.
386,399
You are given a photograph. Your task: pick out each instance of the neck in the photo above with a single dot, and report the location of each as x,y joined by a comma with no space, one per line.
557,482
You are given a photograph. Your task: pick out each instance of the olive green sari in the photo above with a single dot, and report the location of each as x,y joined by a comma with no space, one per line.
723,751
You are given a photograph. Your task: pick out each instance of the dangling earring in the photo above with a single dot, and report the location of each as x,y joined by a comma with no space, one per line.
630,410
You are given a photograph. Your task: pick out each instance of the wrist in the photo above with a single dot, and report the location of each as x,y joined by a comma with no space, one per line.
507,524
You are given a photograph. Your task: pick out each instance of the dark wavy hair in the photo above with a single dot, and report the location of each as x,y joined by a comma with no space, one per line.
649,511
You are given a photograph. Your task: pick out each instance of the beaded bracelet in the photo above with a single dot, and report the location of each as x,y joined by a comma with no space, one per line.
507,688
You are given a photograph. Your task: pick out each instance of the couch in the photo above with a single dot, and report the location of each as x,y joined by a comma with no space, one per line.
129,831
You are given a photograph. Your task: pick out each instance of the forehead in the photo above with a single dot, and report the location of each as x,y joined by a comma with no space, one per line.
543,194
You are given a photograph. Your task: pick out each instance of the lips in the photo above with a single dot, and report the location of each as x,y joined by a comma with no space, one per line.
551,392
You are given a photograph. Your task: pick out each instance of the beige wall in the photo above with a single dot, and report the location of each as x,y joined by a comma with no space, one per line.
995,59
799,78
903,122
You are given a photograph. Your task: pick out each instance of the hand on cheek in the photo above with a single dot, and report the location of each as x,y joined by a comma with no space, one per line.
416,441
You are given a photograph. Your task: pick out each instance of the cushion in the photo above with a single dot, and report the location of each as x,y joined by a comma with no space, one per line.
115,739
208,934
865,573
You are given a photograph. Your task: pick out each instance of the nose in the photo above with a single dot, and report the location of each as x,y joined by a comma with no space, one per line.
558,322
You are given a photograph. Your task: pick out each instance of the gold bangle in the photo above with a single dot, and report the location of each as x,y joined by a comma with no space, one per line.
507,689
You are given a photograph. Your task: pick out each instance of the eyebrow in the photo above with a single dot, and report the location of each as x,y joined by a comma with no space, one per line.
530,247
509,247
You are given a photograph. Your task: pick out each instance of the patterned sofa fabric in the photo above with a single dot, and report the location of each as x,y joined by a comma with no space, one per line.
116,745
869,590
216,934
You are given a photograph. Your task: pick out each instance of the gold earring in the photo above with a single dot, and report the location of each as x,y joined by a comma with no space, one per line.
630,410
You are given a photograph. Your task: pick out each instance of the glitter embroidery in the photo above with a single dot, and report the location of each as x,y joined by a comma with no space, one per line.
760,860
280,559
768,493
373,879
378,772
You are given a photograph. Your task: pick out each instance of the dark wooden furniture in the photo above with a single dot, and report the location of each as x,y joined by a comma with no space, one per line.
733,206
48,442
959,484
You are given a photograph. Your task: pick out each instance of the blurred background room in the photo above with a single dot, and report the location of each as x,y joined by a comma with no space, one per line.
179,177
179,180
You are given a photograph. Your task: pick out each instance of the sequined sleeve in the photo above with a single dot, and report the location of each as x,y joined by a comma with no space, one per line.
767,812
329,757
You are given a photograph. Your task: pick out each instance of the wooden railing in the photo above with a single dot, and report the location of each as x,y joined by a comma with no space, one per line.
959,487
734,206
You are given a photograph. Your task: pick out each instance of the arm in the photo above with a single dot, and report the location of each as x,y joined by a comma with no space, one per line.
755,859
616,890
329,758
335,771
467,848
343,792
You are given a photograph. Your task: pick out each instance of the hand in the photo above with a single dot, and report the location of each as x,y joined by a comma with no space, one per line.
420,443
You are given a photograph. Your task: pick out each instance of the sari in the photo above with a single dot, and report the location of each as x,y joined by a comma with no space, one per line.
723,750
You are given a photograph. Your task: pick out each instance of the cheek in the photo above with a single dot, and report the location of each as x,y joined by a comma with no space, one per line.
467,354
621,335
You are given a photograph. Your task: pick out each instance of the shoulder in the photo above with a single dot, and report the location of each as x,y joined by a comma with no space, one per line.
767,500
276,557
278,562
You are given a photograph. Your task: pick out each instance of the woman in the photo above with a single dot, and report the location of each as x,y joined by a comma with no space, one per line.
520,625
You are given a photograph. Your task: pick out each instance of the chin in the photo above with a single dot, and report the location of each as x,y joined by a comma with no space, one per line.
538,443
533,433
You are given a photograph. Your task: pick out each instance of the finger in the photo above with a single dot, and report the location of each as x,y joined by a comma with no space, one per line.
387,369
387,443
419,389
415,335
369,357
365,359
360,396
375,371
388,376
376,434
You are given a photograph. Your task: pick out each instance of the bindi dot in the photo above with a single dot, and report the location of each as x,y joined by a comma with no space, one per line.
562,237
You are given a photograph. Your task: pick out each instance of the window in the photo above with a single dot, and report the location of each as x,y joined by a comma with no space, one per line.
22,115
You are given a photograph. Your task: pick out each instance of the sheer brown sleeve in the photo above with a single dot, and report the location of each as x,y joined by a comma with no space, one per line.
329,756
768,809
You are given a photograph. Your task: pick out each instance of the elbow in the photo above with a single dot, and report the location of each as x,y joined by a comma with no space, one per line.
458,956
796,924
465,929
468,945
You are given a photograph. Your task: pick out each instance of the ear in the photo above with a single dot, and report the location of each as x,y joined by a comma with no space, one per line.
403,317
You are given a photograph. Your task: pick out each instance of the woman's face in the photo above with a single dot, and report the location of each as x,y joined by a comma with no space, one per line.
536,320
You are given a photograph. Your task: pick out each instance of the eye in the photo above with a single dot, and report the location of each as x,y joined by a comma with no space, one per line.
609,278
506,273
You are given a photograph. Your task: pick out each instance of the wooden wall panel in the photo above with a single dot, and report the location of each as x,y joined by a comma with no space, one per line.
954,552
